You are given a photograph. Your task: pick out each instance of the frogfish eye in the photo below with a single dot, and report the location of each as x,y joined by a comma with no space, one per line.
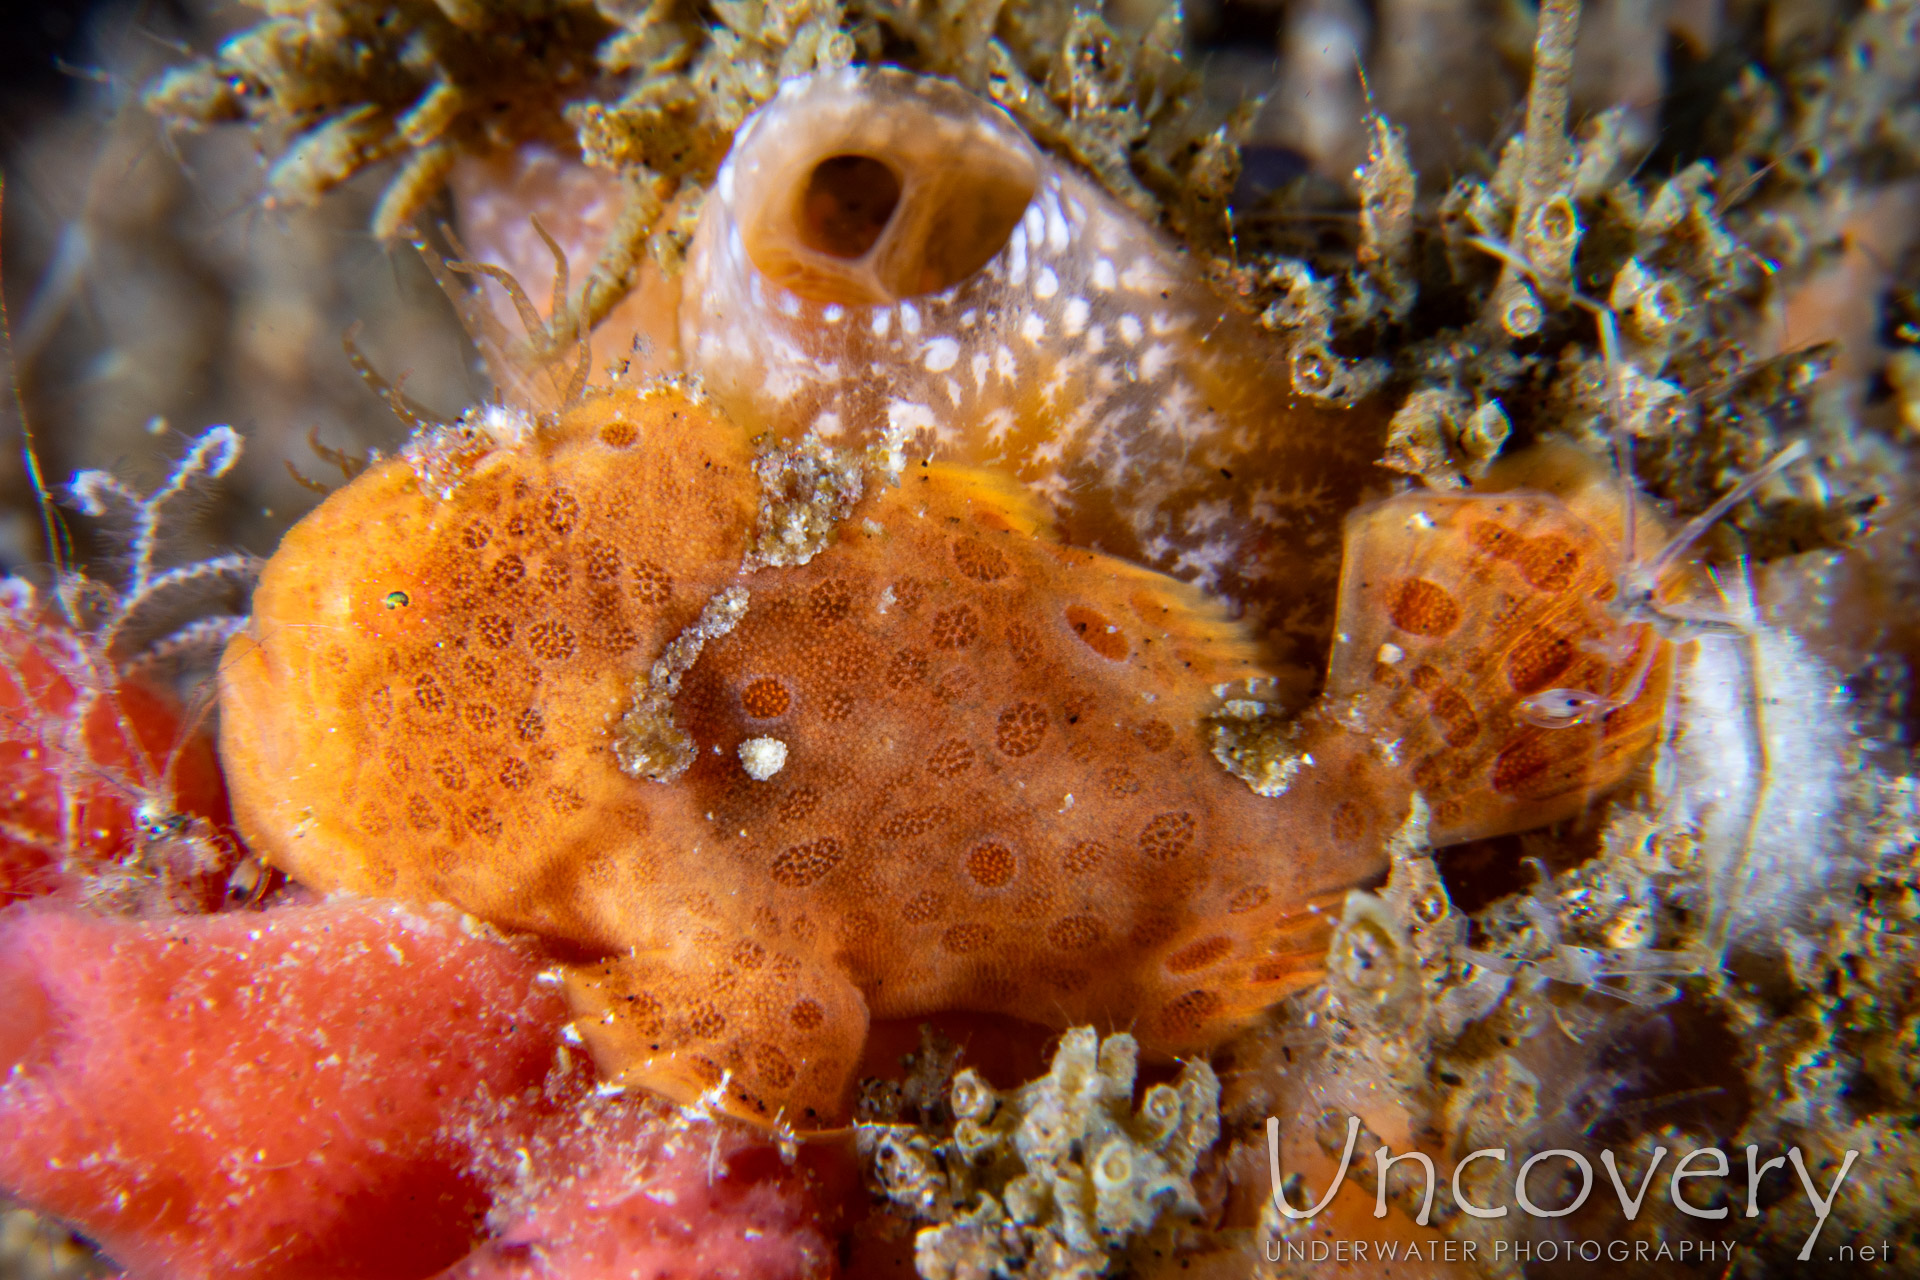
867,188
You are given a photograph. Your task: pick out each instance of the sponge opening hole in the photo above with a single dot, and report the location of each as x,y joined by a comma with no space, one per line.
847,204
970,212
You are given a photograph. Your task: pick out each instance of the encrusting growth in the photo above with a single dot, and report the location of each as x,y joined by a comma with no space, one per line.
1054,1176
647,743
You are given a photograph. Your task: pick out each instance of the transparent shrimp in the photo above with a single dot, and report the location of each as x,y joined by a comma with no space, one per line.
1637,600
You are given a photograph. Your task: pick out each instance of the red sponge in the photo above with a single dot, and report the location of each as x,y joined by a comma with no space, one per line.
265,1094
352,1091
631,1191
82,755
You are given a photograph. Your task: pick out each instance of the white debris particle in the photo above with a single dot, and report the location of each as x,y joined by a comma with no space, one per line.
763,757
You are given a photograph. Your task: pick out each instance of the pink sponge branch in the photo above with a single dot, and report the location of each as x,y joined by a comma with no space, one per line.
629,1189
350,1090
264,1094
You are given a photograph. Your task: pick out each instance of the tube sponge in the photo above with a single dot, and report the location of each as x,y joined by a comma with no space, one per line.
1049,333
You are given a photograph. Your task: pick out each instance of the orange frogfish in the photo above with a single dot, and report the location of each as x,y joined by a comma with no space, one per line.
766,745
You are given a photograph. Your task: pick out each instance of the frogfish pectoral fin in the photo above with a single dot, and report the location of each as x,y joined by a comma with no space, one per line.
766,1036
1215,980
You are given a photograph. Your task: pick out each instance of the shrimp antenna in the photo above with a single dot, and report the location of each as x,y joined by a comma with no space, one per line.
1619,436
1694,528
59,547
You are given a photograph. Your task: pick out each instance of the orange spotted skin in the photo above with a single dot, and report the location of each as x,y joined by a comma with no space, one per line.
419,708
998,791
998,797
